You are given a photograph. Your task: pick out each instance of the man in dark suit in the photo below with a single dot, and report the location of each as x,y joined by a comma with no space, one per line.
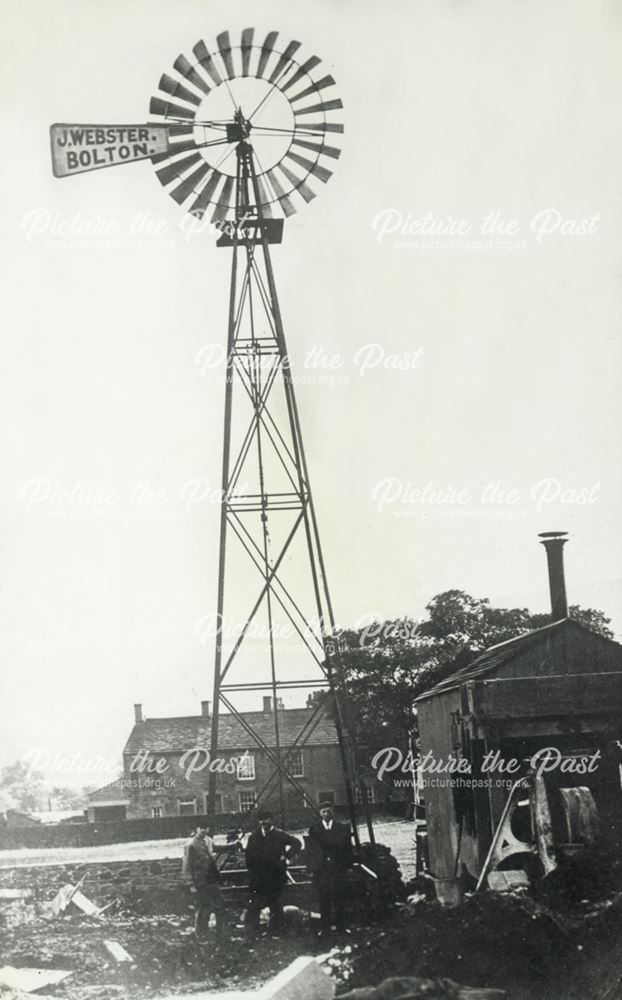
330,848
267,853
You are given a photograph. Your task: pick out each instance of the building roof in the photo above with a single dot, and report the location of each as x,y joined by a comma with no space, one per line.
115,791
495,656
190,731
57,815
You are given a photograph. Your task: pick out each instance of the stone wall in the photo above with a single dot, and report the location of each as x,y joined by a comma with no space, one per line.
128,881
140,886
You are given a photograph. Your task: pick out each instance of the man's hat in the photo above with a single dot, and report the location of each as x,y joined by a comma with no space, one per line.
326,804
264,814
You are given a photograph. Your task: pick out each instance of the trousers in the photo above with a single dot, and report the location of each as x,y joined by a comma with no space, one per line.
209,899
331,885
256,903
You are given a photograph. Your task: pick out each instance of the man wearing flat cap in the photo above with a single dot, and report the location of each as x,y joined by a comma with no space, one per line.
330,846
267,853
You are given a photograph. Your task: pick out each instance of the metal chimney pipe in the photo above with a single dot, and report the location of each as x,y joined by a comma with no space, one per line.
554,542
138,713
205,709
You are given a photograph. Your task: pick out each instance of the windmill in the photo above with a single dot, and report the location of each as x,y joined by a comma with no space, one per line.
244,134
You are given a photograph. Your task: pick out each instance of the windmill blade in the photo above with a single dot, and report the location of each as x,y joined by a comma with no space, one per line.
185,189
168,110
185,68
199,206
264,198
326,81
180,130
318,127
182,147
205,60
224,204
224,47
285,201
320,150
177,90
298,183
302,71
173,150
313,168
266,50
247,45
284,59
322,106
174,170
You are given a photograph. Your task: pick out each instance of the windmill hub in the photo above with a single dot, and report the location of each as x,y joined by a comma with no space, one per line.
239,129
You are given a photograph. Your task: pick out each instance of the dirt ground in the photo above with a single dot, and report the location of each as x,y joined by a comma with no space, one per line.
489,941
564,946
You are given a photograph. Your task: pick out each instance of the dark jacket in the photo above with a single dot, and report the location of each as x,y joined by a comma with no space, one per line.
265,859
329,849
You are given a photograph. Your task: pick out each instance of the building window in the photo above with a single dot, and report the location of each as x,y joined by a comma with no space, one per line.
187,807
156,812
327,797
246,767
247,801
296,764
369,790
217,802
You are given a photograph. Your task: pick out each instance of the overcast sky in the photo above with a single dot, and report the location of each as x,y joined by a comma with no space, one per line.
507,344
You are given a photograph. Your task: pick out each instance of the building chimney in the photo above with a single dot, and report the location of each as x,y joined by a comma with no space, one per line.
205,709
138,713
267,703
554,542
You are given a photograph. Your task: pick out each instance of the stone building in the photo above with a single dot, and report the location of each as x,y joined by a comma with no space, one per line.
166,765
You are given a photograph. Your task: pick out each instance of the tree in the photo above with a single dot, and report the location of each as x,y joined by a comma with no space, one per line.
66,798
388,664
24,786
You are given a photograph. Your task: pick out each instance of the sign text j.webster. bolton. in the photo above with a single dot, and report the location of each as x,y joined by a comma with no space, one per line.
76,148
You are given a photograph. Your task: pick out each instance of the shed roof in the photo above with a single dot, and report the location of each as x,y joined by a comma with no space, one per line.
187,732
115,791
495,656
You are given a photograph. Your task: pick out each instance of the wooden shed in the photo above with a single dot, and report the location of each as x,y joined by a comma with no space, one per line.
557,687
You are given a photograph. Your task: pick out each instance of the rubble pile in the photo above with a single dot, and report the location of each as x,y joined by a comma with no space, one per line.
590,877
409,988
491,940
561,943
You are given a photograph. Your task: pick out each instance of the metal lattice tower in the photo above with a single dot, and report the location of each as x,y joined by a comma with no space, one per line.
248,169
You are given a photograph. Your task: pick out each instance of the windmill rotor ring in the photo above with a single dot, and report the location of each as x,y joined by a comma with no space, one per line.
260,92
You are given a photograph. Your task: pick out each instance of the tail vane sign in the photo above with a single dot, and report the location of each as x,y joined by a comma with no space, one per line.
78,148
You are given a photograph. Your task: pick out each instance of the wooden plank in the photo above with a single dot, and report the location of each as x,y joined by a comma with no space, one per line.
555,695
31,979
84,904
117,951
434,716
523,728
